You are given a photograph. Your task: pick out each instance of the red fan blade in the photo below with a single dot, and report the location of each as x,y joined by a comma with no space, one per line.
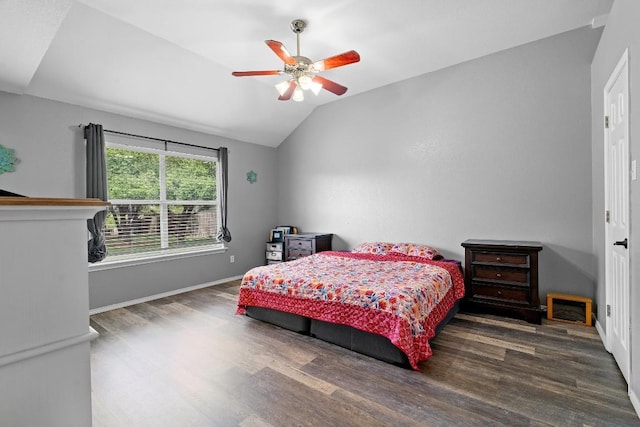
329,85
282,52
337,61
256,73
287,94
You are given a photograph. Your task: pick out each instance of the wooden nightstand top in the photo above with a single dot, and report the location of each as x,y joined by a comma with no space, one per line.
308,235
515,244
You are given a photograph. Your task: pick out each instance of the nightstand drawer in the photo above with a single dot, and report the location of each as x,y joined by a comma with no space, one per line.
501,258
274,255
299,244
500,275
481,291
295,253
274,246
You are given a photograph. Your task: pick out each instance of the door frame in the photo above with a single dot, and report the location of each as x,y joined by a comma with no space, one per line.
622,63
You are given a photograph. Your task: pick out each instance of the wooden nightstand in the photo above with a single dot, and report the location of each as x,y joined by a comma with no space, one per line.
501,277
305,244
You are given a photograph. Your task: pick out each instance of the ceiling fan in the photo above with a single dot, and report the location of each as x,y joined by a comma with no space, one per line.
302,71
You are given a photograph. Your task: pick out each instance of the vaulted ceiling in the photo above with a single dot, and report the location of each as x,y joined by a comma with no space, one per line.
171,61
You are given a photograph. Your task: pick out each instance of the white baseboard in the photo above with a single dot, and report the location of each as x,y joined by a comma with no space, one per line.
158,296
603,335
634,401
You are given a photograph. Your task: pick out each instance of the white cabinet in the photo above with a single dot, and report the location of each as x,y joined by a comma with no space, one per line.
45,377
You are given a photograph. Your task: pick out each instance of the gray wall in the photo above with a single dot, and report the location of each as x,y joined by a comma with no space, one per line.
495,148
622,31
48,142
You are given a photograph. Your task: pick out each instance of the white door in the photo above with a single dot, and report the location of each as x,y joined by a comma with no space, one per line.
616,100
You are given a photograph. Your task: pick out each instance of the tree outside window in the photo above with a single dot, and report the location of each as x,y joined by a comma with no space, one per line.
160,201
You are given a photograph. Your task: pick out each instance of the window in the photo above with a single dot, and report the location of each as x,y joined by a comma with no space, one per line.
161,202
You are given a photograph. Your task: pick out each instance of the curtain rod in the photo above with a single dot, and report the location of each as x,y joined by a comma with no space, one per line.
115,132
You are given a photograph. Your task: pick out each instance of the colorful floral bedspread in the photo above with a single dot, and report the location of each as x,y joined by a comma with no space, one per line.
400,297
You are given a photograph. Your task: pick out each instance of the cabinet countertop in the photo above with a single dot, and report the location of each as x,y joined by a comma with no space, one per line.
48,201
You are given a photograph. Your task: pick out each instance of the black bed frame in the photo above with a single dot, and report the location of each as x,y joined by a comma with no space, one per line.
366,343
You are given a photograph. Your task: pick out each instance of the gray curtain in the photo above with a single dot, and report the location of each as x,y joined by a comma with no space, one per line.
96,188
223,156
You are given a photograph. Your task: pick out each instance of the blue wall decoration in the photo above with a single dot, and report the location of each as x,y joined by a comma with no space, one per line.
7,159
252,177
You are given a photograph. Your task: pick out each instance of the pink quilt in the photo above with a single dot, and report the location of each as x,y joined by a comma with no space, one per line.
399,297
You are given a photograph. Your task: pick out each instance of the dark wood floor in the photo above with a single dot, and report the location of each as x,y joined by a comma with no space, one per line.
188,360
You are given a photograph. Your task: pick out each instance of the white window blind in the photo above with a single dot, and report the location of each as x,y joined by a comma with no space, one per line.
161,201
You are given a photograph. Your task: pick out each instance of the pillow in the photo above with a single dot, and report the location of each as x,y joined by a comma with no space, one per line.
379,248
416,249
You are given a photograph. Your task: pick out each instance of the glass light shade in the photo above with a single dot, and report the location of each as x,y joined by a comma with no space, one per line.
316,87
298,96
282,87
305,82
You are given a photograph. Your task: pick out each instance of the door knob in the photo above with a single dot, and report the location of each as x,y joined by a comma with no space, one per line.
621,243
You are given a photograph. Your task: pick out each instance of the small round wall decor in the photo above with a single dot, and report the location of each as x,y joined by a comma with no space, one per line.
252,177
7,159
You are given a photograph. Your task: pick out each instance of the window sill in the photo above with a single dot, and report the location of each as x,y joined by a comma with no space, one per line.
122,262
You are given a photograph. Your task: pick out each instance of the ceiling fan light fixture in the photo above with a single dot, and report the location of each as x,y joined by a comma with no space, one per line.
304,82
315,87
298,95
282,87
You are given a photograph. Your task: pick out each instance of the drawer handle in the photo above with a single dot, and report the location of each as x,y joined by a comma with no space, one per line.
498,259
498,275
500,293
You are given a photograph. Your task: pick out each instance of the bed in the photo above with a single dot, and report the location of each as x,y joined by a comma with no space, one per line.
384,300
